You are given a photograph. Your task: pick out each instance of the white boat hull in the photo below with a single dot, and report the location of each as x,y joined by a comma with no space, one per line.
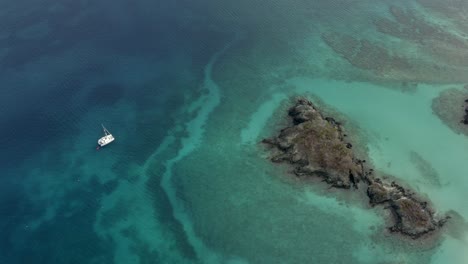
105,140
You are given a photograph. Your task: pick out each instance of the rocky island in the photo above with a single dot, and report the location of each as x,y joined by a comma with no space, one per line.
317,146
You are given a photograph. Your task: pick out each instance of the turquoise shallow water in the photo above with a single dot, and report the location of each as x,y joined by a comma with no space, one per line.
189,90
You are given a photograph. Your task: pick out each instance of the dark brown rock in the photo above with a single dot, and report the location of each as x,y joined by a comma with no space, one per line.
412,217
465,117
377,193
314,145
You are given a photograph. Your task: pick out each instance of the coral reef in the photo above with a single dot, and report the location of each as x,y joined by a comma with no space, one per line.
431,38
425,51
409,26
455,11
386,65
364,54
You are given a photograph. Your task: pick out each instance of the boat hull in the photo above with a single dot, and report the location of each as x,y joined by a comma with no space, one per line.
105,140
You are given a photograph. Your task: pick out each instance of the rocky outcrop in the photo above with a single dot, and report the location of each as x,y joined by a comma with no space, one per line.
465,117
316,146
452,108
412,217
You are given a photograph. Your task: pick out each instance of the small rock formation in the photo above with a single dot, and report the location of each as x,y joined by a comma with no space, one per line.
315,145
465,117
412,217
451,107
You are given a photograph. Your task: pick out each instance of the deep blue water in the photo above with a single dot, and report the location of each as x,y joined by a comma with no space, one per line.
92,57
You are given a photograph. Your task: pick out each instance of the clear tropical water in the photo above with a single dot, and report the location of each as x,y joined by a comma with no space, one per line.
189,88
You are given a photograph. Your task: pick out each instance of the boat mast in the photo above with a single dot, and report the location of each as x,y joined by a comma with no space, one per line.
105,130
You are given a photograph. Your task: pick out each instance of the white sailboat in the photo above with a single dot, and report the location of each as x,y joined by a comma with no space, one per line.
106,139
